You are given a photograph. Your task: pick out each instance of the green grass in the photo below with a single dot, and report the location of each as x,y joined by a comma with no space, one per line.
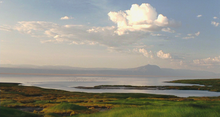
64,108
10,102
209,84
213,82
63,103
51,115
158,111
9,112
156,102
160,108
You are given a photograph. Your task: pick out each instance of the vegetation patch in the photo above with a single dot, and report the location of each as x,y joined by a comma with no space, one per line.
64,108
209,84
59,103
9,112
157,111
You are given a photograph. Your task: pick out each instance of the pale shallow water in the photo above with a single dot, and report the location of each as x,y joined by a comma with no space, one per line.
68,83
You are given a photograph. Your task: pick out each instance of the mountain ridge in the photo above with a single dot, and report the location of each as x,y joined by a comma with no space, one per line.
151,70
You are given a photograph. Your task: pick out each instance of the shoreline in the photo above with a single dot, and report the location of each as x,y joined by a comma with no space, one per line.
197,84
212,85
42,101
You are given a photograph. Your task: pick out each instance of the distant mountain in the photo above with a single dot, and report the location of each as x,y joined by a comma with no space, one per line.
147,70
156,70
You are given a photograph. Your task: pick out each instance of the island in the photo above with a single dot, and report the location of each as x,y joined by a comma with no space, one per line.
199,84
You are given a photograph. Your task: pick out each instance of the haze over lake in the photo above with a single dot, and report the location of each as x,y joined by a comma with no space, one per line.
67,78
68,83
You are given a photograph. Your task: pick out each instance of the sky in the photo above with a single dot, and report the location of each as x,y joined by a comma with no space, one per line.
111,33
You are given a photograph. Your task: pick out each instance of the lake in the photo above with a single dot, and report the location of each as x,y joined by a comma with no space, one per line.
68,84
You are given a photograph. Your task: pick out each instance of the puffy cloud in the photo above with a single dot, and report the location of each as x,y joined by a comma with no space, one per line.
144,52
100,29
141,14
168,30
66,18
215,17
197,34
163,55
80,35
190,36
132,26
215,23
77,34
199,15
140,18
208,61
149,54
29,26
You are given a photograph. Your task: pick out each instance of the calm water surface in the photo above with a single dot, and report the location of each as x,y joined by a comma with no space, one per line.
68,83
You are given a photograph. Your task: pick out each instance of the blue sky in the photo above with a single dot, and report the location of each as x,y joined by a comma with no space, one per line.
111,33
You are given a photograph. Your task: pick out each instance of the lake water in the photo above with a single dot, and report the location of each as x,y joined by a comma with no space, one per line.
68,83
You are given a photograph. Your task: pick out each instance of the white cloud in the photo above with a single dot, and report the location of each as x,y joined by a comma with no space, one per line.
144,52
149,54
215,17
197,34
168,30
77,34
153,34
191,36
163,55
83,35
199,15
27,26
215,23
140,18
208,61
132,26
66,18
100,29
5,28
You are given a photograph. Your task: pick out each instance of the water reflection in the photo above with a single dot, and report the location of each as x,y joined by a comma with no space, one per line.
67,83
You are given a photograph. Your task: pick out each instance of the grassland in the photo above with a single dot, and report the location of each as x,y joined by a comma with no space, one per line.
40,102
209,84
8,112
